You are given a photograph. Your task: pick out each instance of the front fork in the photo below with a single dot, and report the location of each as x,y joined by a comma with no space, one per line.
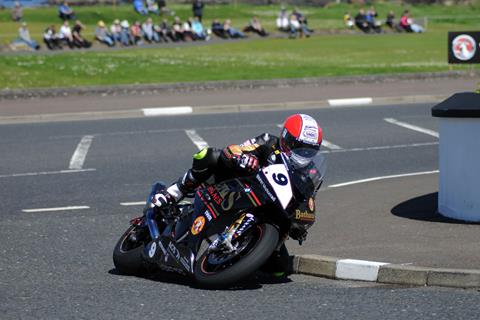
150,213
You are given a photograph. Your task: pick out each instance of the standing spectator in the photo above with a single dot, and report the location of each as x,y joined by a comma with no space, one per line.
102,34
149,33
78,40
24,37
125,37
255,26
197,8
361,21
199,32
348,20
231,31
217,29
282,20
17,12
51,38
139,7
152,7
66,34
177,29
136,33
65,12
162,5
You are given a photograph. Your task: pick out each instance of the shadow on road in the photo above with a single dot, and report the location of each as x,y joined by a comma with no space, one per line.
423,208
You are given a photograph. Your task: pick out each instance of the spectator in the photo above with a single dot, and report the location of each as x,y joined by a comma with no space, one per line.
197,8
255,26
164,31
283,20
348,20
231,31
17,12
187,30
65,12
51,38
297,27
373,24
162,5
66,34
152,7
24,37
407,24
199,32
136,33
116,31
177,29
125,37
361,21
78,40
102,34
139,7
217,29
149,33
390,21
302,19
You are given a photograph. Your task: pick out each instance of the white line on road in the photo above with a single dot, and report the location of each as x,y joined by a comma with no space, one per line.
398,146
349,102
56,209
168,111
412,127
28,174
137,203
196,139
78,157
330,145
382,178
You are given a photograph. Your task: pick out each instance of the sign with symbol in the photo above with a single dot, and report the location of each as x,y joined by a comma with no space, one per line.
464,47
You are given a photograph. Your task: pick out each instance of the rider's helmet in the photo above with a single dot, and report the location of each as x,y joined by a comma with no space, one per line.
300,139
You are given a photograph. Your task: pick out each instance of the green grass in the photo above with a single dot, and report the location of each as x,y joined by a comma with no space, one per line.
323,55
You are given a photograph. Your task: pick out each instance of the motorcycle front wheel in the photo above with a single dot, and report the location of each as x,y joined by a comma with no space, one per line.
219,270
127,255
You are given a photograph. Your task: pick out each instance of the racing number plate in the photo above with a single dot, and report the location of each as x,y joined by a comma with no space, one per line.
277,176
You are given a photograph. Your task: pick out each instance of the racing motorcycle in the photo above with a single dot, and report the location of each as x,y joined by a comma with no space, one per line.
231,228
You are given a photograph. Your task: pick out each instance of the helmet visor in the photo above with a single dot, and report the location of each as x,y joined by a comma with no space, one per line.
301,157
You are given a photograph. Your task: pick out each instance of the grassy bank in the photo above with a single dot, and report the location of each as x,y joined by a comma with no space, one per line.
323,55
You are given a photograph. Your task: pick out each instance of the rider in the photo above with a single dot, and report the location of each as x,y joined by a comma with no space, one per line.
299,131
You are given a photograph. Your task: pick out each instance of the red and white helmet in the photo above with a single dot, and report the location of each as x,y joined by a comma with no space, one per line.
301,138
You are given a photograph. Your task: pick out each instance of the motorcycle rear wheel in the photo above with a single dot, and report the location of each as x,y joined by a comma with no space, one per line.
127,256
260,247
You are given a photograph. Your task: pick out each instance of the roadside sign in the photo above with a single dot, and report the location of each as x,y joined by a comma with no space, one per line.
464,47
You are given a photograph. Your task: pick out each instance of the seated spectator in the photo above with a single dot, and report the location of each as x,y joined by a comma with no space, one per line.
125,37
373,24
187,30
152,7
65,12
17,12
199,32
255,26
390,21
116,31
217,29
139,7
361,21
136,33
149,33
348,20
177,29
66,34
231,31
282,20
297,28
24,37
78,40
102,34
407,24
51,38
164,31
302,19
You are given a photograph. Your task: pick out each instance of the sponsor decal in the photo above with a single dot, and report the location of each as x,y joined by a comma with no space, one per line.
214,195
265,188
304,215
173,250
464,47
152,250
311,204
208,215
197,225
185,263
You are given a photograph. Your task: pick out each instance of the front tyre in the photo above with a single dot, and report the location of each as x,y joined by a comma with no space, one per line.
127,255
213,272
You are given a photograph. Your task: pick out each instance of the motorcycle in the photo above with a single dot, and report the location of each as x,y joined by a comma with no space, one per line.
231,228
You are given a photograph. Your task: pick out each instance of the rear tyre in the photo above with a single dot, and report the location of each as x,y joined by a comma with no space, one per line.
127,255
261,242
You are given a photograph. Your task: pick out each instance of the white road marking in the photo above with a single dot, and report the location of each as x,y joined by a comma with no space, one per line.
137,203
352,269
78,157
412,127
196,139
168,111
28,174
382,178
350,102
56,209
398,146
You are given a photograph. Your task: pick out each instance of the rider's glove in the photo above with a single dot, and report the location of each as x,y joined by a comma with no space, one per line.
247,162
162,199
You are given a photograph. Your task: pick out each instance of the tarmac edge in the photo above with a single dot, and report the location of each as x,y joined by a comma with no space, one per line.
386,273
